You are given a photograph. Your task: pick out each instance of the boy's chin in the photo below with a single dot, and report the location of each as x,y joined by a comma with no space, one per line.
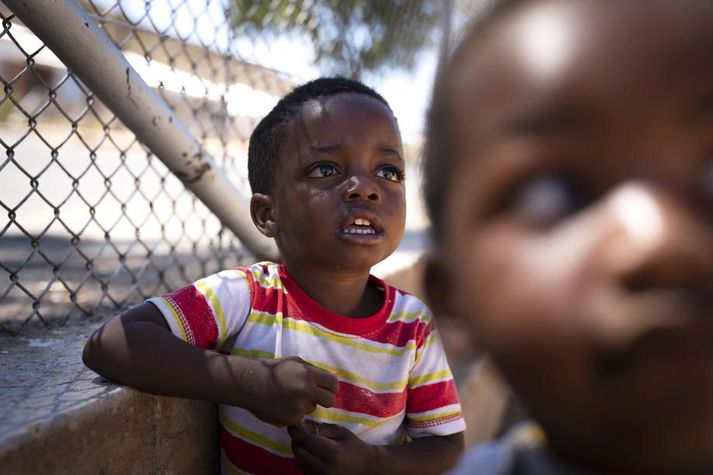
360,257
356,263
345,262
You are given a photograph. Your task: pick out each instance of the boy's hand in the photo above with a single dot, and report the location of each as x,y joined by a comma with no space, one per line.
292,388
329,448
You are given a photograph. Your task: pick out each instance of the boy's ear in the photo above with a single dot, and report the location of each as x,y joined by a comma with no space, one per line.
437,285
262,213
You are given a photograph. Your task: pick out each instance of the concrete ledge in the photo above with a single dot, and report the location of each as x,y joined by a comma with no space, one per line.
128,432
59,417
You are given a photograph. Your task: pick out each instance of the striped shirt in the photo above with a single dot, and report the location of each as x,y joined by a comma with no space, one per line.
394,381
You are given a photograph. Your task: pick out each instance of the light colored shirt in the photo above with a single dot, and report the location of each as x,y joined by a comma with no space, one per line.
394,380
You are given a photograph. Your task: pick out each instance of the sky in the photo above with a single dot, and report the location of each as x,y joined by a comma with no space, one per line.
408,92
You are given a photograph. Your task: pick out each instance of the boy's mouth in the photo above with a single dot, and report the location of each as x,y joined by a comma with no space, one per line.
363,227
359,226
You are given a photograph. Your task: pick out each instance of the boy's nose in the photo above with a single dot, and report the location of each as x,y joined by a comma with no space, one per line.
658,240
361,187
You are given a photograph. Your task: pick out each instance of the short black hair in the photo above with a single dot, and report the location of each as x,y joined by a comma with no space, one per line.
439,150
266,139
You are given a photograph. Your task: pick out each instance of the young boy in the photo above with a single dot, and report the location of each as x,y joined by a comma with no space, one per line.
317,365
570,182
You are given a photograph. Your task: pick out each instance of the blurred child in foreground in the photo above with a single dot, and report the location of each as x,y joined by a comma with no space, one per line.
570,182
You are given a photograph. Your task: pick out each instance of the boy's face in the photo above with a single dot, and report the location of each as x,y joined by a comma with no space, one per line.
577,236
338,194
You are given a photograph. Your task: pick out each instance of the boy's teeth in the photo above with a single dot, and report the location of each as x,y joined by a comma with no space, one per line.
362,222
354,229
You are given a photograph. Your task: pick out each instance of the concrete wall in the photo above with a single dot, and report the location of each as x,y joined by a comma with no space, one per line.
129,432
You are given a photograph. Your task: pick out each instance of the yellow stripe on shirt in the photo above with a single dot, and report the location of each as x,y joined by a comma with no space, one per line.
433,417
254,354
176,318
429,377
408,317
268,319
347,418
391,386
266,281
254,437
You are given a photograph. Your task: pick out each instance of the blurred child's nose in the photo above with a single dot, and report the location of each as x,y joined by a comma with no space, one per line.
658,240
361,186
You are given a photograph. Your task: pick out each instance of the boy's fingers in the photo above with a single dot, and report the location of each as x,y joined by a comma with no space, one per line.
298,432
315,439
308,462
325,379
302,431
323,397
330,431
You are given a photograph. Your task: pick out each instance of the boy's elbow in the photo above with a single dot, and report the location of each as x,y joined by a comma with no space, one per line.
456,450
100,346
90,353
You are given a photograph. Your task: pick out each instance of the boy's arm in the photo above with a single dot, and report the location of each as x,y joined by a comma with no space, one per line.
138,349
328,448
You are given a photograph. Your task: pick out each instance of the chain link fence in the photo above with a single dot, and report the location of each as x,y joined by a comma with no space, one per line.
90,219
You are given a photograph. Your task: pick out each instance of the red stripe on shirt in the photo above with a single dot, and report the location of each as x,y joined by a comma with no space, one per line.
253,459
357,399
271,300
198,315
400,333
431,396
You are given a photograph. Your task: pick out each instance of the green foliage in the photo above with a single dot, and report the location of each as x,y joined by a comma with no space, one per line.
350,37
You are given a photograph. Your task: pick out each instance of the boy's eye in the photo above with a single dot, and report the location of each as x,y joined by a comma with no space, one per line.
391,173
322,170
545,199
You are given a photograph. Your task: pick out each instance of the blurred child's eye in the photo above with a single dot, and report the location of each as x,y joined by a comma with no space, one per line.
321,170
545,199
391,173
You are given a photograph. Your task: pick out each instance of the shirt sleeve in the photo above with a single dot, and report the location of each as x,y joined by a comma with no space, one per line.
432,406
209,311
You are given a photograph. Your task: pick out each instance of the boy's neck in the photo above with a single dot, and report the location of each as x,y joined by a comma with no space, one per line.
345,293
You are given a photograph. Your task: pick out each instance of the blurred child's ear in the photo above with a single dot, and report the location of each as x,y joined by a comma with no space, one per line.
261,211
437,285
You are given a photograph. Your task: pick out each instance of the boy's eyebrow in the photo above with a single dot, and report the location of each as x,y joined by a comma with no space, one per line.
334,147
545,120
390,150
326,148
